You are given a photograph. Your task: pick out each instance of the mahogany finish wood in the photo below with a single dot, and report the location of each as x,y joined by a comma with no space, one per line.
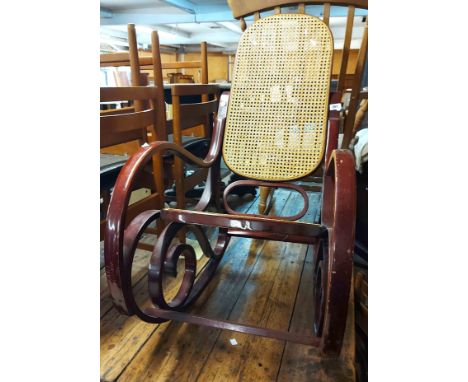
254,223
298,338
337,228
187,116
334,237
267,185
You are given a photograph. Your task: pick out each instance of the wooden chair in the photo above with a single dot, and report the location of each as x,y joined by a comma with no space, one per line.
119,128
189,120
277,130
140,63
185,117
203,129
244,8
133,60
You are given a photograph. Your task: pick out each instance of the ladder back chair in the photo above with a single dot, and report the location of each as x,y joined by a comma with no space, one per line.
242,9
173,172
132,126
273,128
133,60
188,119
185,117
203,129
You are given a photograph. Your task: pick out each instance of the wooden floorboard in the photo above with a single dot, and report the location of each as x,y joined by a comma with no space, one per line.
122,337
304,363
177,351
267,299
263,283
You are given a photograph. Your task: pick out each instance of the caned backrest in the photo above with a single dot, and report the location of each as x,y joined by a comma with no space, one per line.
277,117
245,8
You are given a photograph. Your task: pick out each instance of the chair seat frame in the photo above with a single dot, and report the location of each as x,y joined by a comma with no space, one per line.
333,239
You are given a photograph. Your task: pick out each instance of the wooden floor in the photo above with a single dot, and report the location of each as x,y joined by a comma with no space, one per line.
259,282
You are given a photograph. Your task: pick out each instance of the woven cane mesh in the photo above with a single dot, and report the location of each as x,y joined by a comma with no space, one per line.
277,117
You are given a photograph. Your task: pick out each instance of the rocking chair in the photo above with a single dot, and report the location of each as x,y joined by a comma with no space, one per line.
273,129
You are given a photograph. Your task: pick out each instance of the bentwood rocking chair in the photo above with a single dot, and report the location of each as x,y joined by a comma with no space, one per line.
273,129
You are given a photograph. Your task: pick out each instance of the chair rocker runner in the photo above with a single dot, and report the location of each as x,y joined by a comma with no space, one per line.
277,129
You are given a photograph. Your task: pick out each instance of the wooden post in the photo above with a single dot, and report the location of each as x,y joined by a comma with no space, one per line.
347,43
161,134
326,13
204,80
134,62
355,91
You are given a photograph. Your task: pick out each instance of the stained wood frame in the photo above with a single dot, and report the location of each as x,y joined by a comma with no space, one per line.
187,116
334,239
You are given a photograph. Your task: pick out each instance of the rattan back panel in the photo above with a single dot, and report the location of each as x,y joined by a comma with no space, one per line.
277,117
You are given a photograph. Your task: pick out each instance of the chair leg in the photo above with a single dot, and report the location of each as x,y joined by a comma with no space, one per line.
266,198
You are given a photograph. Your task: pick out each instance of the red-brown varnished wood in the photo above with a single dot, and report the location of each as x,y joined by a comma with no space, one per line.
333,238
187,116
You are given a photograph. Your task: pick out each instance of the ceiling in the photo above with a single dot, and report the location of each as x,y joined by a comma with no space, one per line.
183,24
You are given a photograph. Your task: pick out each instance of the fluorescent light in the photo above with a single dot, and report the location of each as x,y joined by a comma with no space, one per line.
231,26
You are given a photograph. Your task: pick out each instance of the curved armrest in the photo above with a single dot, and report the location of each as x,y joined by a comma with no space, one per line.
339,189
114,248
339,217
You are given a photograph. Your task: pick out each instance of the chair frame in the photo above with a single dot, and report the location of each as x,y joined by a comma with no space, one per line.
186,116
333,239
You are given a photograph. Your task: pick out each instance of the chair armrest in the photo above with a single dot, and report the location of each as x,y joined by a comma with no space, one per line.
144,154
339,217
339,190
117,254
